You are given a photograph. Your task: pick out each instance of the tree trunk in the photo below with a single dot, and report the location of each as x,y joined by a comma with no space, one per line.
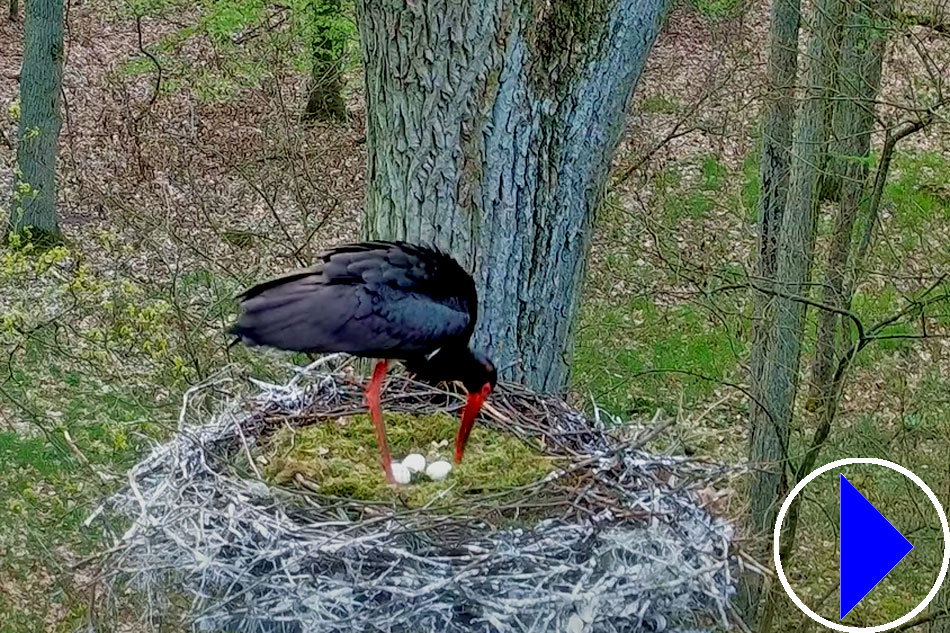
765,444
796,244
33,206
775,164
490,129
785,262
940,607
325,100
859,81
14,10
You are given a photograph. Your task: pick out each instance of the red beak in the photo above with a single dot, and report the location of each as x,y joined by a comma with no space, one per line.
472,406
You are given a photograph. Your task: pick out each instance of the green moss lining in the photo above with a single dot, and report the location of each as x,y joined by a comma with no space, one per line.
341,458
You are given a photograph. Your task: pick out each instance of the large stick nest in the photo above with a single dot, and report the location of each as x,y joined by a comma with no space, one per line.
623,543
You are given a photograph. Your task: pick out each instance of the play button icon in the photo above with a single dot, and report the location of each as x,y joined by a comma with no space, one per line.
870,547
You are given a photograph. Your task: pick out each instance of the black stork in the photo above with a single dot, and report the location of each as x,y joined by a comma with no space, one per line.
382,300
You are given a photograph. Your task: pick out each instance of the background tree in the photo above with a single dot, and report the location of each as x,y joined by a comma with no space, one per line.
845,175
490,129
774,166
325,99
795,244
766,443
33,204
830,155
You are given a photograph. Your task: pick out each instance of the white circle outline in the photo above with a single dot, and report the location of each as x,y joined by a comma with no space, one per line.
863,629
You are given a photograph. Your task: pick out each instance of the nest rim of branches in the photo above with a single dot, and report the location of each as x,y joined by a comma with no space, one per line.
607,491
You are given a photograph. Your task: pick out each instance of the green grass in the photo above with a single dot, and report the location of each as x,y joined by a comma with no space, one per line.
919,191
714,174
695,205
44,497
639,358
717,9
917,201
633,356
659,104
751,187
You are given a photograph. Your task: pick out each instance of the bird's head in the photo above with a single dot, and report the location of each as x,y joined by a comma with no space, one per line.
479,372
479,377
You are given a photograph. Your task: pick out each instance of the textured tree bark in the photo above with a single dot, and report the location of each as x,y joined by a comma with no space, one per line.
490,128
41,78
779,379
796,245
325,101
939,609
859,78
775,166
859,81
765,444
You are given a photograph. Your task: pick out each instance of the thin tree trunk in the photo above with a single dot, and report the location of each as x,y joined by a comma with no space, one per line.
490,129
14,10
940,608
775,165
891,138
863,45
33,205
776,353
325,100
765,444
796,244
836,381
842,109
859,82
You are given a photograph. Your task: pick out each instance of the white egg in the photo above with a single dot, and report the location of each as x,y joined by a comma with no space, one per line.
401,474
439,470
415,462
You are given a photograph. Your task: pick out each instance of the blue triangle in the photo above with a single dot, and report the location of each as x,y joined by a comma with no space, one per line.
870,547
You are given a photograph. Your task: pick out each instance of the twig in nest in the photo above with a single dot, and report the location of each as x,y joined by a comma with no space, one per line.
617,538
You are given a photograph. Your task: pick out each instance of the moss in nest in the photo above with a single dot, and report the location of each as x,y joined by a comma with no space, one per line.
341,458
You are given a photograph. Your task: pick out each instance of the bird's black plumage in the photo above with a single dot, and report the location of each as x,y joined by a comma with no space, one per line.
384,300
375,299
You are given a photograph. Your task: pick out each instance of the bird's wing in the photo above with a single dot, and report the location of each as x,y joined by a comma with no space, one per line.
374,298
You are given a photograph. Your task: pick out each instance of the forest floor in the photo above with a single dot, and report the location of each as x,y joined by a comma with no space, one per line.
186,174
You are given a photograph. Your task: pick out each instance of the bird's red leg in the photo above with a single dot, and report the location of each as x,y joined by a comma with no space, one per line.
472,406
376,413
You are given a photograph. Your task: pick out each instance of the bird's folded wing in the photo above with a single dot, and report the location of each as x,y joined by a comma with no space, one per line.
362,302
